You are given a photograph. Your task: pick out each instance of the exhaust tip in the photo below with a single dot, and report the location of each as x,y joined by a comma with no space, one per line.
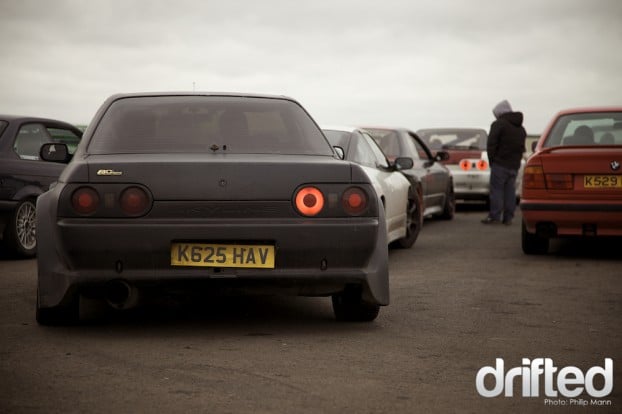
120,295
546,229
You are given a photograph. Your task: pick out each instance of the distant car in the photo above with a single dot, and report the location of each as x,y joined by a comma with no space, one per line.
430,178
572,184
468,160
402,207
24,176
209,193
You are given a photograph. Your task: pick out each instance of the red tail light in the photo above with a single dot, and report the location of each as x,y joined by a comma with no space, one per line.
465,165
559,181
85,201
309,201
482,165
354,201
134,201
533,178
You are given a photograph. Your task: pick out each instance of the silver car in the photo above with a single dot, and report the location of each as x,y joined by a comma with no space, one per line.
468,160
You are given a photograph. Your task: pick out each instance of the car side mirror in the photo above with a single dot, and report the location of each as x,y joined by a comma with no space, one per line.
340,152
441,156
403,163
55,153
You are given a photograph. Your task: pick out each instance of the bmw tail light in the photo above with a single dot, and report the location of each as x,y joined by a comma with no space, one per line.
309,201
465,165
85,201
533,178
134,201
354,201
482,165
559,181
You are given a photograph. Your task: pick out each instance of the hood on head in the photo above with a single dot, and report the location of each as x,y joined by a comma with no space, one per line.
515,118
501,108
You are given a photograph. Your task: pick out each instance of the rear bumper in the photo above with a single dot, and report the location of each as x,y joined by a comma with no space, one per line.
572,218
313,257
471,185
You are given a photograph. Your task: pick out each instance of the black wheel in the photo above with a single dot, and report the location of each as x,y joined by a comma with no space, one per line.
532,243
414,222
20,234
66,314
349,306
449,210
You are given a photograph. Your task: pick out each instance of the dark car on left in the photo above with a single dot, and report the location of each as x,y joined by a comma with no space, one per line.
24,176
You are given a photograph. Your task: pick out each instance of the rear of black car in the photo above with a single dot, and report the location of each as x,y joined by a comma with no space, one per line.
206,192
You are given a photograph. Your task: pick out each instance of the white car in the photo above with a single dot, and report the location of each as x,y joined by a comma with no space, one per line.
402,207
468,160
472,177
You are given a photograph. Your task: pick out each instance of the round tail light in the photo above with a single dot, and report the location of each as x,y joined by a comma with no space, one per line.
481,165
134,201
465,165
354,201
85,201
309,201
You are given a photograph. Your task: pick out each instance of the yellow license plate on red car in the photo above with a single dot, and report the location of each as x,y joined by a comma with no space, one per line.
602,181
222,255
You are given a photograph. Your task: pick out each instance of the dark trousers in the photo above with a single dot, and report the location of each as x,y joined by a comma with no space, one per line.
502,193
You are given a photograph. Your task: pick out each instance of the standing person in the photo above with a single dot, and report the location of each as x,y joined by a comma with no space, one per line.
506,144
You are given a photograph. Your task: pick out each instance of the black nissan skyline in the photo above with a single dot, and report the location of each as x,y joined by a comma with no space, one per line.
209,193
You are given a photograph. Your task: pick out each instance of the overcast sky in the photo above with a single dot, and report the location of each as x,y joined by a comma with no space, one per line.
405,63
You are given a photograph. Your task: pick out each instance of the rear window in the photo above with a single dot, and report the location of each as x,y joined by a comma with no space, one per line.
388,140
601,128
393,147
338,138
460,139
182,124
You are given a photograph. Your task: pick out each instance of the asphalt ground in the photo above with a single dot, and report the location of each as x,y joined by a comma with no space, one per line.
462,297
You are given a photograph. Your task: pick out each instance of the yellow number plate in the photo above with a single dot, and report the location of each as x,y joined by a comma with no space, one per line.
602,181
222,255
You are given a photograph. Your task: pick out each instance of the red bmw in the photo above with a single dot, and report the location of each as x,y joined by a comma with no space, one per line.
572,184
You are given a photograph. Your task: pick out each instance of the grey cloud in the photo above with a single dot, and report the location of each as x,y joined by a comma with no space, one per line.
413,63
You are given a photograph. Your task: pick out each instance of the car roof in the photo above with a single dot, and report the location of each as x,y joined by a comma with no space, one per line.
590,109
449,129
385,128
25,118
15,120
223,94
343,128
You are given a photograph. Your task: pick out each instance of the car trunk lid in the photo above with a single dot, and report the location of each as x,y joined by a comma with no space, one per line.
456,155
218,177
590,169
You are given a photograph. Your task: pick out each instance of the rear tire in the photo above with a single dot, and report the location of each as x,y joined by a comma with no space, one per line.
532,243
349,306
449,210
20,233
414,222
